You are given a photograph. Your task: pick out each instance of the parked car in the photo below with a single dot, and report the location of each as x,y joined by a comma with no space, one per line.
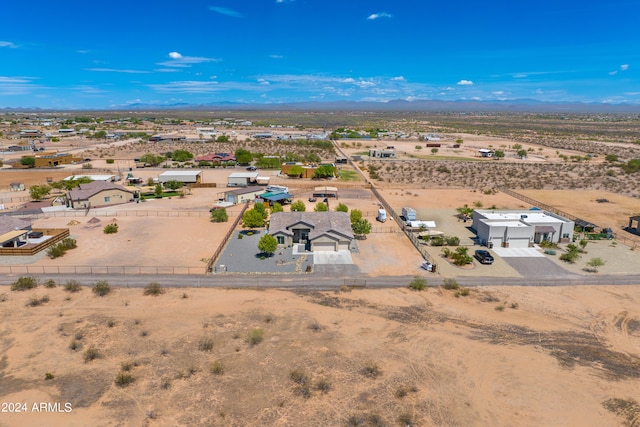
484,257
251,168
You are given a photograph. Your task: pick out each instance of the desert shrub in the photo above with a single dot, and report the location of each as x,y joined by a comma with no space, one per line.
49,376
418,283
50,283
91,353
24,283
462,292
461,256
123,379
153,289
68,243
111,323
110,161
35,301
256,336
111,229
298,377
499,307
450,284
101,288
56,251
315,327
72,286
323,385
452,241
205,344
437,241
406,420
371,370
216,368
550,251
219,215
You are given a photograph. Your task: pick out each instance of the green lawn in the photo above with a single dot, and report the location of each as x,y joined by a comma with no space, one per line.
349,176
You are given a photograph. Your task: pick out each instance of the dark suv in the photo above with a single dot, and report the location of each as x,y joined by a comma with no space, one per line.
484,257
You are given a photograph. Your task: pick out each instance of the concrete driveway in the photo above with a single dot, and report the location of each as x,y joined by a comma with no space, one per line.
518,253
331,257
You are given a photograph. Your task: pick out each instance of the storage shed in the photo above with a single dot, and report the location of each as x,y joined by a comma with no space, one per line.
184,176
242,179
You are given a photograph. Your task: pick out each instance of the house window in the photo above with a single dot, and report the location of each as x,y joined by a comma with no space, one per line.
565,235
107,199
280,240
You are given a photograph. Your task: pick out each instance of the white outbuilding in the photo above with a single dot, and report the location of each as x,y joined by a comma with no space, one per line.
520,228
184,176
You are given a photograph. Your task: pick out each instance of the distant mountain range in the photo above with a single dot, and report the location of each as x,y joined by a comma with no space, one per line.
512,106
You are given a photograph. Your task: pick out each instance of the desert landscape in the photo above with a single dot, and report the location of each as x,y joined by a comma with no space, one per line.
458,346
498,356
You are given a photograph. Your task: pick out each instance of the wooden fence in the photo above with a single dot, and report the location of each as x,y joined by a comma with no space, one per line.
216,254
56,233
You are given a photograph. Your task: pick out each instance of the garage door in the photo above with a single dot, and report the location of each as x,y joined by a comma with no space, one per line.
519,243
343,246
324,246
497,242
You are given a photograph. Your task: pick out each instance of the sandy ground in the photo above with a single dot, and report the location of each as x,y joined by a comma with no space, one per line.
549,356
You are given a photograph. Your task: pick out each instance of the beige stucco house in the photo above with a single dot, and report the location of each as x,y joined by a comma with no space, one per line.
318,231
98,194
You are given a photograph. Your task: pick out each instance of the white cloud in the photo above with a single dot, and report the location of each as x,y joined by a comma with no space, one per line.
8,44
613,73
284,1
186,87
17,85
465,83
276,56
378,15
398,79
624,67
498,92
90,90
180,61
115,70
226,11
263,82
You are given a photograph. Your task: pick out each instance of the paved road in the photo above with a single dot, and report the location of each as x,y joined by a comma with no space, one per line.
315,281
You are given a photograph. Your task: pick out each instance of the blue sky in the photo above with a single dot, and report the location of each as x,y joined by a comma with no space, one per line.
74,54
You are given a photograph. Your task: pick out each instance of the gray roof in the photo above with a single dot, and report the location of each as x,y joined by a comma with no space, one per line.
92,188
246,190
320,223
8,223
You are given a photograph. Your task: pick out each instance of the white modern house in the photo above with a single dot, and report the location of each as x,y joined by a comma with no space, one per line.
520,228
241,179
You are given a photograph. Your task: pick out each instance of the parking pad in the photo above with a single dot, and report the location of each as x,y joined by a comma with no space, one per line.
331,257
518,252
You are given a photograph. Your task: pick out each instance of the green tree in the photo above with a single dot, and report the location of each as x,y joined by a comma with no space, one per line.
611,158
244,157
174,185
342,208
268,244
355,215
522,153
152,159
252,219
101,134
434,150
361,227
223,138
516,147
298,206
465,211
219,215
29,161
321,207
158,191
295,171
260,208
38,192
181,156
276,207
324,171
459,141
499,154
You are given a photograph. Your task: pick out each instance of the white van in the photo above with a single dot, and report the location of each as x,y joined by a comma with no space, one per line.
382,215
